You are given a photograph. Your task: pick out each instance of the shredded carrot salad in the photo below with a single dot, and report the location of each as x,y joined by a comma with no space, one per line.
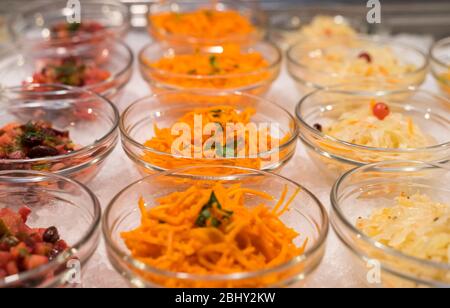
238,147
230,69
212,231
202,24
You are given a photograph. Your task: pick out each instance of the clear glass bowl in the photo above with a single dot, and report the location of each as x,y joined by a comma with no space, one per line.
285,28
60,202
307,216
18,65
138,122
251,12
310,78
375,186
428,111
160,80
90,119
33,26
440,64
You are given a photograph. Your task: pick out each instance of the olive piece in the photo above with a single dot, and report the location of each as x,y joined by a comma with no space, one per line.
32,140
51,235
318,127
42,151
51,132
366,56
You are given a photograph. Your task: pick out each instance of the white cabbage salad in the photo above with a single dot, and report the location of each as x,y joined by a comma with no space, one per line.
328,26
416,225
356,59
375,126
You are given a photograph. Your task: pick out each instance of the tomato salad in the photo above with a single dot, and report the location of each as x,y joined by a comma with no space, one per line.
71,71
23,248
65,30
33,140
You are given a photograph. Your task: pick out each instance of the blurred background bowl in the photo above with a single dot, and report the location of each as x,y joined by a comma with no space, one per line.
286,27
257,82
302,55
33,26
248,10
17,66
440,64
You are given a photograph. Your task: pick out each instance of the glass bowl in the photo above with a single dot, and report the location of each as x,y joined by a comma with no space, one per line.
34,26
249,11
60,202
306,216
375,186
310,71
285,28
427,110
257,82
440,64
91,121
17,66
138,122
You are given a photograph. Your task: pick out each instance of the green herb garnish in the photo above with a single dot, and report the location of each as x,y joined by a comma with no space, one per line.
226,151
206,215
209,13
214,64
73,27
41,167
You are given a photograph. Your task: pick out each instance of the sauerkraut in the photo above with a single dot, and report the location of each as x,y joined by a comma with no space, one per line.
321,27
444,81
416,225
355,58
362,127
328,26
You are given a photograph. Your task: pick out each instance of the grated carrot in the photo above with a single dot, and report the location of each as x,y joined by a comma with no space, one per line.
201,24
213,233
229,69
234,148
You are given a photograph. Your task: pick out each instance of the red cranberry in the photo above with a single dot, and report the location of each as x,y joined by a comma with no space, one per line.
318,127
381,111
365,56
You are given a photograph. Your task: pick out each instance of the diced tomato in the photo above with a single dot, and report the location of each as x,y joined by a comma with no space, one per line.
24,212
12,268
20,251
5,140
13,221
42,249
61,245
35,261
5,257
